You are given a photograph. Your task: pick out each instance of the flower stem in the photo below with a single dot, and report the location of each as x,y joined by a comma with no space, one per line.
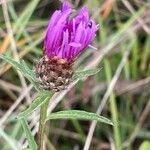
43,115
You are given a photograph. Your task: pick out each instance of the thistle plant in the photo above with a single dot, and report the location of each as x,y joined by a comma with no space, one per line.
67,37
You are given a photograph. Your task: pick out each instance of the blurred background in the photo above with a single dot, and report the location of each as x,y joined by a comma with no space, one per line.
120,91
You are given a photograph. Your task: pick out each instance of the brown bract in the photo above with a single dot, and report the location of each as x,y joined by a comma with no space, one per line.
54,73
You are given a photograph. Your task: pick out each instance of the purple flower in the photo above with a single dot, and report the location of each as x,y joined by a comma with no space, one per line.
67,37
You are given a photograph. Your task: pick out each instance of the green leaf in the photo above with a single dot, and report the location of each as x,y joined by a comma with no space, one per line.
85,73
10,60
40,100
29,136
24,69
22,66
28,70
31,76
78,114
145,145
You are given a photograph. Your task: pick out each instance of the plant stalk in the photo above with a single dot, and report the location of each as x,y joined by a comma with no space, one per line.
42,122
113,108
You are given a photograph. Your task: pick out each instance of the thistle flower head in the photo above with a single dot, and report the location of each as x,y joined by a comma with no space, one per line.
67,37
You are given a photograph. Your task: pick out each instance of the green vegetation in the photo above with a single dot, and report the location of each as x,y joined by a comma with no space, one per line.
119,90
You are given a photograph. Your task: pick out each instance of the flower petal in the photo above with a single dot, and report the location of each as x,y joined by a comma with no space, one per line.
74,44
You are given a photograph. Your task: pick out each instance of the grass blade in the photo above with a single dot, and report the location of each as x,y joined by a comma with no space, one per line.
24,17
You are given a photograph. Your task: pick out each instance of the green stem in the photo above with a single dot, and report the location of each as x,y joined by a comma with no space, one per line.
113,108
43,115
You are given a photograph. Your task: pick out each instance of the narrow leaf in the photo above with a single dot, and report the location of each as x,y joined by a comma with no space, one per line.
78,114
8,59
22,66
30,75
24,69
28,70
29,136
83,74
40,100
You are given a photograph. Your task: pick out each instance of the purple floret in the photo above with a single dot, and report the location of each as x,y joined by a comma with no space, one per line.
67,37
